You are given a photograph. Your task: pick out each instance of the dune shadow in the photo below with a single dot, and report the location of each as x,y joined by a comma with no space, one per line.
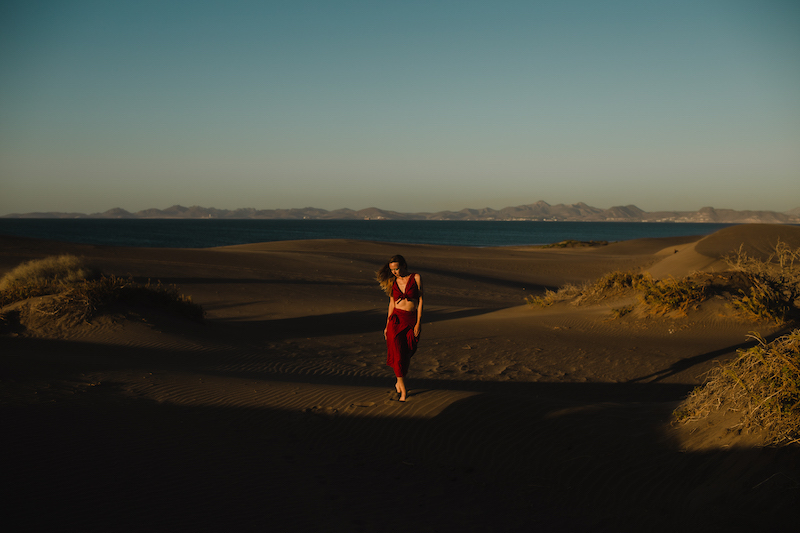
471,277
180,281
689,362
516,457
347,322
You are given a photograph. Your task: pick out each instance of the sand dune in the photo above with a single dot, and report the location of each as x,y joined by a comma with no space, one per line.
278,413
708,254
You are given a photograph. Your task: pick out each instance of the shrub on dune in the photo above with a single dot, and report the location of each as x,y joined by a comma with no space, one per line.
774,289
565,293
572,243
611,284
762,384
758,289
657,296
663,296
80,293
89,298
44,276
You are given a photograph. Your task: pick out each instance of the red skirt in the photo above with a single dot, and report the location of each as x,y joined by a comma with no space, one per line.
400,340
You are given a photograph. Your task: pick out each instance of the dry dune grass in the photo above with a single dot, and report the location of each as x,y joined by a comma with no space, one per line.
758,288
76,293
45,276
656,297
762,385
774,291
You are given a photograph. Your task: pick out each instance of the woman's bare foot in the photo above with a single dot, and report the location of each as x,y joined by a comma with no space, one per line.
401,388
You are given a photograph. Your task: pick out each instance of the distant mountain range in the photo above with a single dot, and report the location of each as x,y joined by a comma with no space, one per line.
541,211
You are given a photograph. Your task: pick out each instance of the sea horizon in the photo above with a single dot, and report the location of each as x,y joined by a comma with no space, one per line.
208,233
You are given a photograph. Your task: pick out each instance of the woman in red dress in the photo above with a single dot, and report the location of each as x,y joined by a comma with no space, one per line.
404,321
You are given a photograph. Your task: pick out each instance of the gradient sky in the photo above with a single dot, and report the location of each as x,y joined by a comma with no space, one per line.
403,105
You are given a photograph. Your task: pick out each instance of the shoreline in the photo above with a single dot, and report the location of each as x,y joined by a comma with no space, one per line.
203,234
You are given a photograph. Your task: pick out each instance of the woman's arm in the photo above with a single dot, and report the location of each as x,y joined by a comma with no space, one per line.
391,309
418,325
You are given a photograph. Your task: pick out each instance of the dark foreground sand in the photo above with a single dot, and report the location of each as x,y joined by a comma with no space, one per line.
278,413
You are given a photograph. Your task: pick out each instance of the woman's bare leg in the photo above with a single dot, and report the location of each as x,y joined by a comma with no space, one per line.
401,388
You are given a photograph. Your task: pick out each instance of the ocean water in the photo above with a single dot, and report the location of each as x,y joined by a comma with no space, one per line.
205,233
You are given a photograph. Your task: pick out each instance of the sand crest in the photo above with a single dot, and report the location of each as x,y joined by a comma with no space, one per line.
279,413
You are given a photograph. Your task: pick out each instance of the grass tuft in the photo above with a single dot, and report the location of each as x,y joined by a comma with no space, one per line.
571,243
658,296
762,383
774,283
663,296
757,289
619,312
565,293
80,293
90,298
43,276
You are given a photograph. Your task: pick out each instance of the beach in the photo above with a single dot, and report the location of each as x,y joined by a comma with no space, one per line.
278,413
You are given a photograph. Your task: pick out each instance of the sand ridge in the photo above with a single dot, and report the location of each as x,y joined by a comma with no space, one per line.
280,413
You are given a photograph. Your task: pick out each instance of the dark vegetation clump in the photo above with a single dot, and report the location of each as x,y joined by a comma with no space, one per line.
571,243
657,296
78,293
41,277
757,289
774,284
9,322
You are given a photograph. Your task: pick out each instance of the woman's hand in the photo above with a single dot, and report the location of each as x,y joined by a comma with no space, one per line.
385,332
417,330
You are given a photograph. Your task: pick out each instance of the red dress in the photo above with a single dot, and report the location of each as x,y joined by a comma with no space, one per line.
400,340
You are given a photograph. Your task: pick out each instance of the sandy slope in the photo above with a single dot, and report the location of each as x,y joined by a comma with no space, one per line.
278,413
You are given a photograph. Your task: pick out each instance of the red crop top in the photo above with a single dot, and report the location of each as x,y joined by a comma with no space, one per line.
411,292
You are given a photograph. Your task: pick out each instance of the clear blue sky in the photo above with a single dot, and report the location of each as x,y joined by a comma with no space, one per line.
405,105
